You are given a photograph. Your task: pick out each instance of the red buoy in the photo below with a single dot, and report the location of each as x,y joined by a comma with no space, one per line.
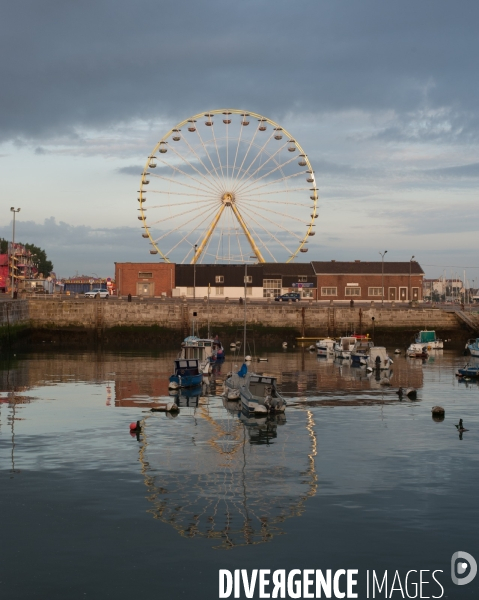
132,426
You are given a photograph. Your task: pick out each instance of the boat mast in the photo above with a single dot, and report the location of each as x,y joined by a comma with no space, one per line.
244,327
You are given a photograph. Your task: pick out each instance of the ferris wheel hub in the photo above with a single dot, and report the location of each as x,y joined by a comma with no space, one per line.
228,198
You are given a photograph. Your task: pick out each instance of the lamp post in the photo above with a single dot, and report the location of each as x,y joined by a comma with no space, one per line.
410,289
14,211
382,276
194,274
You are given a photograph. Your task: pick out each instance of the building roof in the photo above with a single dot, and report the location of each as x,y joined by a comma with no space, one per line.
358,267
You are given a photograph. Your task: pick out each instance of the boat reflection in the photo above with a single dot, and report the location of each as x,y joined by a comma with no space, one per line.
230,477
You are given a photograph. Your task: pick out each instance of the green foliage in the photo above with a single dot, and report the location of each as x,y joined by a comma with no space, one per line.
3,246
45,266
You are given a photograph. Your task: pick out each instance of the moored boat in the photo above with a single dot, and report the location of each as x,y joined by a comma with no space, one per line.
379,358
325,347
187,373
473,346
417,351
429,339
202,349
344,347
468,372
258,393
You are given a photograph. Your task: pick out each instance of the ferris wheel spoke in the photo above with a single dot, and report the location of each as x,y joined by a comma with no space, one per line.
270,233
187,235
209,158
209,184
246,154
263,244
170,193
236,155
275,192
205,187
251,185
218,155
271,157
292,233
260,151
179,226
176,181
212,177
180,214
270,210
280,180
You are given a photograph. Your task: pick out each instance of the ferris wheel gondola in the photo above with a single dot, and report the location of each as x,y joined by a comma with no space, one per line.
224,185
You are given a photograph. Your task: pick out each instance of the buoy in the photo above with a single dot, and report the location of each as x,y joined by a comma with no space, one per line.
173,385
437,410
384,381
135,426
285,344
247,357
397,351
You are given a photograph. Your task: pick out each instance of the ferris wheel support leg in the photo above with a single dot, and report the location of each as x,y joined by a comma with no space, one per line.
211,228
253,245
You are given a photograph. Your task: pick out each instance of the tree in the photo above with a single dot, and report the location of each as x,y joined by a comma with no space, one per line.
3,246
45,266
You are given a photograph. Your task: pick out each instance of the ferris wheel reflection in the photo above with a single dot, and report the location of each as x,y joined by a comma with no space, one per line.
227,476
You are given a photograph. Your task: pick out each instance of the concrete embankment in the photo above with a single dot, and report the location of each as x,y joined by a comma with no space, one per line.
151,324
14,321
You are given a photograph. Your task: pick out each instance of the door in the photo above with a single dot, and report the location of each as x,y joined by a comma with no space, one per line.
392,294
403,294
415,294
145,289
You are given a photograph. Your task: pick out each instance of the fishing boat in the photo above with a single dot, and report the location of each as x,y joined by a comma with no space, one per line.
258,393
187,374
325,347
417,351
379,358
344,347
473,346
429,339
468,372
202,349
362,349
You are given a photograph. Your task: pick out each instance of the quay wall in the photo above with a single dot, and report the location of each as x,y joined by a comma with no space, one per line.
173,319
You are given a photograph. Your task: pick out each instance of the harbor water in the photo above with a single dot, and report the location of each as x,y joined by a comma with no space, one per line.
350,477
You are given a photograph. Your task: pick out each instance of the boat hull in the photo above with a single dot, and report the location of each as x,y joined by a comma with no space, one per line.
186,381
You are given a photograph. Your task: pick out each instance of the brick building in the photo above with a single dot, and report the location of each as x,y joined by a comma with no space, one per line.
356,280
145,279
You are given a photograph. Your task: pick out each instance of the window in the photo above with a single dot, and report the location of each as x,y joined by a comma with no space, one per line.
190,291
352,291
375,291
307,293
249,291
219,279
248,279
302,278
271,288
329,291
220,291
145,275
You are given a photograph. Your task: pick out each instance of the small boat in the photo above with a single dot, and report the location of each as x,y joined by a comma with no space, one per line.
325,347
344,347
259,393
362,351
468,372
473,346
202,349
187,373
417,351
429,339
379,358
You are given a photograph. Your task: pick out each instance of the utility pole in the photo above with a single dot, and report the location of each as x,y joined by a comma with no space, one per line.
410,289
194,275
382,276
14,211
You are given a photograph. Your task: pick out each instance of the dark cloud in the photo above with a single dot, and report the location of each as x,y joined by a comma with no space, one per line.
100,63
459,171
132,170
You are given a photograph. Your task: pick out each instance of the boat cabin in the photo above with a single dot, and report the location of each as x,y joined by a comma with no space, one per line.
260,385
186,366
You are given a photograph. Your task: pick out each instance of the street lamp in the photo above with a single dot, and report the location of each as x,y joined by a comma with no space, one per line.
14,211
410,289
194,274
382,276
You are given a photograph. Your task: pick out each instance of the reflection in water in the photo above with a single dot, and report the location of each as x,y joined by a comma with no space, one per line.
235,480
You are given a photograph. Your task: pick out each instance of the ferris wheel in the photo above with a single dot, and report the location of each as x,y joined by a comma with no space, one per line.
228,186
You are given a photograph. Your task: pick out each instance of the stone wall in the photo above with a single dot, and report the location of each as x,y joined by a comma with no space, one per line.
304,319
13,312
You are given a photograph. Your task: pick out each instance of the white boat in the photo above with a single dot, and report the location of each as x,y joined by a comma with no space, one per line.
473,346
344,347
258,393
325,347
429,339
379,358
417,351
202,349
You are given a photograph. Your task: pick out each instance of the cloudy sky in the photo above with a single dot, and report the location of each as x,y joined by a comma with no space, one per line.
383,96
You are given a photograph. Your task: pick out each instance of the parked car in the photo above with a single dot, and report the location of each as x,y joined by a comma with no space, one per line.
293,296
97,293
